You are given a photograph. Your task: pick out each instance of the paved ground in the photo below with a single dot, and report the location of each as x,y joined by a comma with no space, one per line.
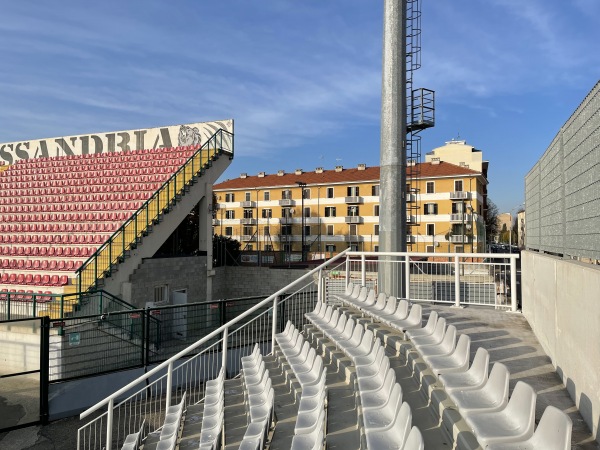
506,336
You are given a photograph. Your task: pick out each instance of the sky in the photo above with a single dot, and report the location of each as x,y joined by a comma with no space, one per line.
301,79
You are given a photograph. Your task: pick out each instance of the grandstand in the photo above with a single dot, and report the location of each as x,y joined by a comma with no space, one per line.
68,223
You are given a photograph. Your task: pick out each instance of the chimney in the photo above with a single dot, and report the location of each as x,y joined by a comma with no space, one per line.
243,175
339,168
362,166
435,161
298,172
280,173
261,174
319,170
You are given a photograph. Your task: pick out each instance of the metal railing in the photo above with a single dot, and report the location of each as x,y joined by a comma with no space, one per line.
148,397
130,233
486,279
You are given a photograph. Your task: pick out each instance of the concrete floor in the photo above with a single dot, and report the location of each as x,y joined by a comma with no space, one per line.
507,337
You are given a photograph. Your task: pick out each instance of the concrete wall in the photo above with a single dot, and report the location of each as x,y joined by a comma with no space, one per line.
561,302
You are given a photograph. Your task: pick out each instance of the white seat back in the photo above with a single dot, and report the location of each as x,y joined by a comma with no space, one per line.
553,431
364,292
521,406
414,441
497,383
390,306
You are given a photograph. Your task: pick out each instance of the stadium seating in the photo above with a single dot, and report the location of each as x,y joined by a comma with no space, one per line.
56,212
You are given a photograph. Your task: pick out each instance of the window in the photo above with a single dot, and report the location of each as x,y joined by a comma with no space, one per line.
376,210
353,191
248,213
306,193
249,247
230,197
330,211
430,249
307,212
286,230
431,208
307,230
266,231
161,293
430,187
353,230
458,249
266,196
329,192
353,247
268,248
287,248
376,230
248,231
248,196
330,248
329,230
430,229
267,213
375,190
228,231
376,248
286,194
230,214
457,208
286,213
353,211
458,185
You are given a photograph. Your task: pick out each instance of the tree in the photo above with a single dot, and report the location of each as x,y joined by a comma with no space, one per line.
226,251
491,220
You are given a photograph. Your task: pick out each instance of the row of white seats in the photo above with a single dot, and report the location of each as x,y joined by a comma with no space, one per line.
483,402
211,430
385,418
259,399
308,369
169,432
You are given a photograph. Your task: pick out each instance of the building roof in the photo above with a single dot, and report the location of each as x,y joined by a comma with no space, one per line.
354,175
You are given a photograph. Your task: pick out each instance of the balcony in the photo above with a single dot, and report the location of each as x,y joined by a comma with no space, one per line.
353,238
353,219
248,237
412,220
460,239
461,218
286,220
460,195
410,239
287,202
248,221
216,222
411,198
248,204
354,200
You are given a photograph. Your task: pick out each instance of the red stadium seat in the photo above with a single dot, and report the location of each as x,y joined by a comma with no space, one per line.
52,265
37,279
36,264
70,265
54,280
28,264
76,252
29,279
20,264
51,251
59,251
61,265
67,251
12,279
20,278
4,278
45,280
43,251
64,280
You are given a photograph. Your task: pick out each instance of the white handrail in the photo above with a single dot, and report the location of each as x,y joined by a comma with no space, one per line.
206,338
437,254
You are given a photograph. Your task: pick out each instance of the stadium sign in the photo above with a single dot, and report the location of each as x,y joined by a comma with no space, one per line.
114,141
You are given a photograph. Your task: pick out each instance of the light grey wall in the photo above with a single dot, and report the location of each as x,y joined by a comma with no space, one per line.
561,302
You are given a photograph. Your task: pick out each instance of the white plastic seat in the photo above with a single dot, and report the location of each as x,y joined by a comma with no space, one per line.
291,352
354,340
307,364
331,324
263,410
434,338
379,397
363,348
309,441
414,441
307,421
310,315
377,381
371,356
445,347
473,378
255,435
316,388
394,435
383,415
512,424
313,375
286,332
367,370
427,330
457,361
290,341
413,320
339,327
132,441
345,334
254,376
322,320
210,432
298,360
379,304
401,313
261,387
390,306
369,300
492,396
552,433
167,444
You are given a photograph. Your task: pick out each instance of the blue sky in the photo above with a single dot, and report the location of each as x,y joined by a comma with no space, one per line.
302,79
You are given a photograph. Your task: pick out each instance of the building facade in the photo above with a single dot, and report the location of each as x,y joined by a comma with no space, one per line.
332,210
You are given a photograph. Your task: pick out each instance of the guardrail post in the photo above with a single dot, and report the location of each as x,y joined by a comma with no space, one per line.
363,270
456,282
224,361
513,284
407,276
109,425
169,384
274,328
320,287
347,272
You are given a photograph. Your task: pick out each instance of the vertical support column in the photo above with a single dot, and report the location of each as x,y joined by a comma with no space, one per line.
109,425
363,271
224,351
320,287
274,328
169,384
456,282
407,276
513,284
205,236
347,272
392,218
44,367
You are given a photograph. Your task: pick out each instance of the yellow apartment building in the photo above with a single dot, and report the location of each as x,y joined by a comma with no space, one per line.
340,209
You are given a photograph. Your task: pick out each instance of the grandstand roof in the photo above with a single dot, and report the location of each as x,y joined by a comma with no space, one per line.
427,170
